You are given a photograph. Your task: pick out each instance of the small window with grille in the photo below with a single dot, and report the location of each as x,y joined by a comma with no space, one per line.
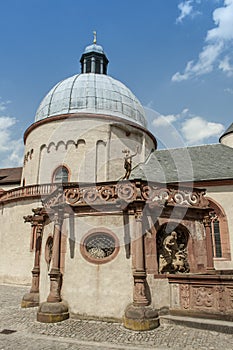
99,246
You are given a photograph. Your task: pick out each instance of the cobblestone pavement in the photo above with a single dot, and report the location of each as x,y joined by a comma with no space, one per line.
86,335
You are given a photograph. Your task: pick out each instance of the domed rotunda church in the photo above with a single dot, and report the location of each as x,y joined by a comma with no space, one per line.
102,225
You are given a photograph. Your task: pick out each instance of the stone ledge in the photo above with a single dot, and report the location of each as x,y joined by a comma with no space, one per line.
200,323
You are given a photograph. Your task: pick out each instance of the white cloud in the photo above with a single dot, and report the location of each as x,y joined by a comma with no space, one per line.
164,120
3,105
186,9
226,66
11,150
182,129
197,130
229,91
218,41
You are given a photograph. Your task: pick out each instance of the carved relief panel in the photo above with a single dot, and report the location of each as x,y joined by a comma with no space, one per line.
172,251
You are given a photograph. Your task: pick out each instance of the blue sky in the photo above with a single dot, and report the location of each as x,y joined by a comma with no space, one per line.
175,55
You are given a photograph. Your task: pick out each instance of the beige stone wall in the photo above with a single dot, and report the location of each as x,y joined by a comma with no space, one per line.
160,292
223,195
16,259
227,140
90,148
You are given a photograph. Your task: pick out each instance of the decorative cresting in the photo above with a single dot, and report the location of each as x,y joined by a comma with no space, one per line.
156,195
127,192
37,222
54,309
139,315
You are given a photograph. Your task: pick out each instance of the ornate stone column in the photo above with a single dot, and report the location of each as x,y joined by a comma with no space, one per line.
209,243
54,309
31,299
139,315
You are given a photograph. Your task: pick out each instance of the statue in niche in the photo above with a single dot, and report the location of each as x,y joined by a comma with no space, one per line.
128,162
172,253
49,251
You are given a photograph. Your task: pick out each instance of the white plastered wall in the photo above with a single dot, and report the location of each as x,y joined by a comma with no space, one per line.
16,259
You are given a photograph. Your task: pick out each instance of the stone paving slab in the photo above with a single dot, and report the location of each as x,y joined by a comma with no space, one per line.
80,334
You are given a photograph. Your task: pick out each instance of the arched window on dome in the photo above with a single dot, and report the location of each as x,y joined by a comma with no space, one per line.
220,232
60,175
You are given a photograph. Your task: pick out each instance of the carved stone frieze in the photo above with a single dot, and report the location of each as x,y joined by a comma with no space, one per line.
203,297
220,290
185,296
94,195
229,297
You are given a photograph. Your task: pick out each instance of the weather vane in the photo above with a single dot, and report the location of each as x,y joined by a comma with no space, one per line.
95,37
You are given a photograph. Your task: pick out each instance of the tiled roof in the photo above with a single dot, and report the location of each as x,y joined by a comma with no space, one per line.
199,163
10,175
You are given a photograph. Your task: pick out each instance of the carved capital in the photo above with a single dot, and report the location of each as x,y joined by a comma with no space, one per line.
138,215
39,229
207,221
58,218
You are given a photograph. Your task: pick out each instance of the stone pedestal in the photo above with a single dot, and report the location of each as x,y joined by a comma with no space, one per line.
54,309
140,318
52,312
30,300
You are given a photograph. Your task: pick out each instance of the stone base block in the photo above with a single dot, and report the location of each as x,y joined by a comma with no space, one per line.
52,312
30,300
140,318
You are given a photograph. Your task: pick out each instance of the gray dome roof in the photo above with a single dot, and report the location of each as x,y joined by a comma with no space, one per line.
92,93
94,48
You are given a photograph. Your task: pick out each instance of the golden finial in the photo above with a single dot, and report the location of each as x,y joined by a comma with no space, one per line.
94,39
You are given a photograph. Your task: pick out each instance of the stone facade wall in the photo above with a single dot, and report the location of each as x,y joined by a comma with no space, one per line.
223,196
90,289
90,148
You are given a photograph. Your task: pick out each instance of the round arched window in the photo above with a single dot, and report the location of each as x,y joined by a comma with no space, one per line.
99,246
61,174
